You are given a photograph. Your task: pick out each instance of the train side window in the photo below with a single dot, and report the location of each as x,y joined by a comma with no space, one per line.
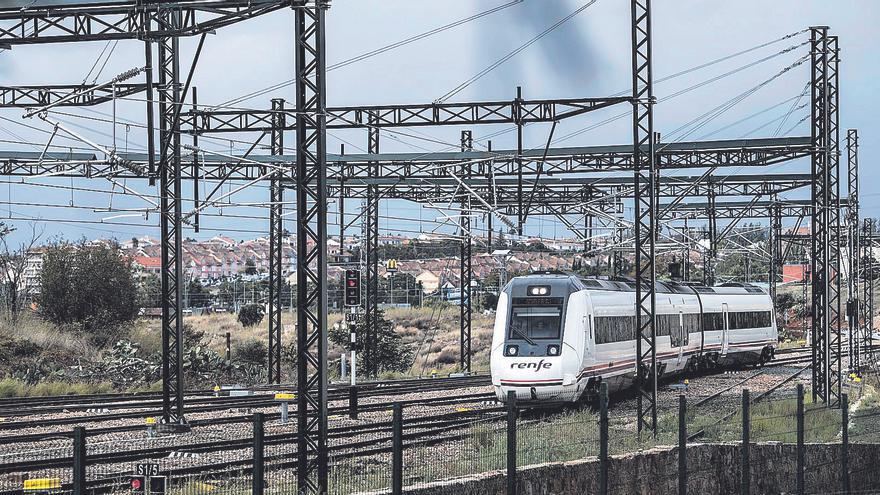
713,321
611,329
750,319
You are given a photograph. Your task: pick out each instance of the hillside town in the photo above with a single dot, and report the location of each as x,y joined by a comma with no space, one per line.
222,259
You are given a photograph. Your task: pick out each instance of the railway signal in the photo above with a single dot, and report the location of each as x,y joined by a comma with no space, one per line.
158,484
352,287
148,484
138,484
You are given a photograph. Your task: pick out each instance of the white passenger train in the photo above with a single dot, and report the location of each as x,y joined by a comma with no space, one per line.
558,336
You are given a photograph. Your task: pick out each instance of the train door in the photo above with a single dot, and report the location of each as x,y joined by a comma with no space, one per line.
683,336
725,332
589,339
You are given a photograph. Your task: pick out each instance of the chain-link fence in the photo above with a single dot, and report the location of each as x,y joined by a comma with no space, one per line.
733,442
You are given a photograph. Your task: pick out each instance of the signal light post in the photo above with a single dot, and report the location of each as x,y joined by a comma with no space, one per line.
353,302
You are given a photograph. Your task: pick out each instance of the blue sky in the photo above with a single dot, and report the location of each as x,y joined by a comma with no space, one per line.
588,56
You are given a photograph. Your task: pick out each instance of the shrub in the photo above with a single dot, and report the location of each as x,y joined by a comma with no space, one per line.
448,355
90,287
252,352
250,315
391,354
489,301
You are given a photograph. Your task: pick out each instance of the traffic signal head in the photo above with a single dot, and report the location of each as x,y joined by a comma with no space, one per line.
158,484
352,288
138,484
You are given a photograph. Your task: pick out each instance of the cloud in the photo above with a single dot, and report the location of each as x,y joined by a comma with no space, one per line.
568,55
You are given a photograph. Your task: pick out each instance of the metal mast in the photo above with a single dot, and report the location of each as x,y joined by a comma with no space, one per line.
276,245
311,247
644,165
824,260
853,245
372,250
170,218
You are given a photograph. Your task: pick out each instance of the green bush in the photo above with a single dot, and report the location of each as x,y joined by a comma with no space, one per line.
89,287
253,352
489,301
391,354
250,315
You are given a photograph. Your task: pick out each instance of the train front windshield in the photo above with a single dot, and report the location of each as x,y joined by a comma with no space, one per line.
535,322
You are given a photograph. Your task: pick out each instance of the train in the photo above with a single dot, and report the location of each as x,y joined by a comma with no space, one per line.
558,336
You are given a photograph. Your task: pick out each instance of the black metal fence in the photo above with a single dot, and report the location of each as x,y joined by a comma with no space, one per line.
810,449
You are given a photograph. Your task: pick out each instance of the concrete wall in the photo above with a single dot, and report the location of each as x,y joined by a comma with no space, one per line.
712,468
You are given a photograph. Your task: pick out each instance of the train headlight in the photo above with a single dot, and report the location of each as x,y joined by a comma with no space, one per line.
553,350
539,290
511,350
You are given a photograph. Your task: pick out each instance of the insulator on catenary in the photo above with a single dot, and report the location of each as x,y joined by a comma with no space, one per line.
128,74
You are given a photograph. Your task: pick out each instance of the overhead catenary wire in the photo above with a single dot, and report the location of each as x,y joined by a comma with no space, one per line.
702,120
682,73
377,51
392,135
748,117
684,91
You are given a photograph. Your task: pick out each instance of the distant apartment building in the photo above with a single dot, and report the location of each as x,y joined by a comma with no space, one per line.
146,266
33,268
393,240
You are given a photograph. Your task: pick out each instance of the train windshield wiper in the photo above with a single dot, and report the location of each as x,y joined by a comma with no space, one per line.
516,331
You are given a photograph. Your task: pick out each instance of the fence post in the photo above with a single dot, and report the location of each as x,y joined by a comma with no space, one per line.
79,460
746,475
800,439
603,438
844,429
259,466
353,401
511,443
682,445
397,449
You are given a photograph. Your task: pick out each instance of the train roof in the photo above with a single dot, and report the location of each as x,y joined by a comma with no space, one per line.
625,284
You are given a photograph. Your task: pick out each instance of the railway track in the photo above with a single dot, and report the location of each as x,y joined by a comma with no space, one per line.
18,406
430,429
149,407
340,432
346,441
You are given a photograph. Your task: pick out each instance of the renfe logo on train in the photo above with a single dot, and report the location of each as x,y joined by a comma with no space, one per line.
540,365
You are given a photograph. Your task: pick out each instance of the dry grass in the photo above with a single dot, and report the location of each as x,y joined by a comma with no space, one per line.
29,327
433,332
15,388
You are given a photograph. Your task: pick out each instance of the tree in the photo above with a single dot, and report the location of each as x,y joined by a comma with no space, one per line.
489,301
89,286
250,268
250,315
13,263
197,295
391,354
150,292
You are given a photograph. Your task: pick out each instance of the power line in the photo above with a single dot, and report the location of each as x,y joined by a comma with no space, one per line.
375,52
